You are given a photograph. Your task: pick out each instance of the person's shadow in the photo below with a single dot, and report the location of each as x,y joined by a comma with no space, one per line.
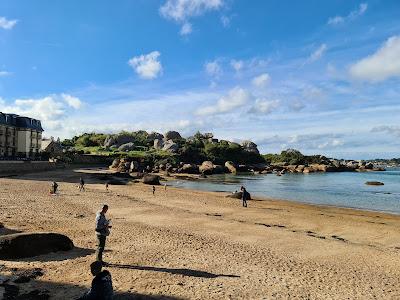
184,272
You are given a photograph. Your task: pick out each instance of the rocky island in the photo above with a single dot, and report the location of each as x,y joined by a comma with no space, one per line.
201,153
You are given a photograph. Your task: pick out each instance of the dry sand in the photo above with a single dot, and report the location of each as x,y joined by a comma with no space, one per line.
182,244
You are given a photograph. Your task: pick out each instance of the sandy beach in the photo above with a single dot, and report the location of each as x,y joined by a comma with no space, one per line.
182,244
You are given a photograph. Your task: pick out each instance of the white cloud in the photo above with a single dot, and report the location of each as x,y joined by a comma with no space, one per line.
261,80
51,110
213,68
393,130
264,106
236,98
181,10
237,65
317,54
186,29
226,21
72,101
351,16
147,66
4,73
383,64
7,24
296,105
331,144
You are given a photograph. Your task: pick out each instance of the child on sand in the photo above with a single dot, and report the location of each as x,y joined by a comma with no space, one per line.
245,196
81,185
53,188
101,288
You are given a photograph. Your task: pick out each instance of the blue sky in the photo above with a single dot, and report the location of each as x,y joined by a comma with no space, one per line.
319,76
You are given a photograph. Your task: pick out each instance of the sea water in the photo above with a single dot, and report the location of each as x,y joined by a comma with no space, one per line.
342,189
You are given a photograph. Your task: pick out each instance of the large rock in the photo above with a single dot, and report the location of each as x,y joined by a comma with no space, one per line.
21,245
190,169
134,166
151,179
127,147
115,163
154,136
207,167
170,146
374,183
249,146
118,140
322,168
172,135
158,144
231,167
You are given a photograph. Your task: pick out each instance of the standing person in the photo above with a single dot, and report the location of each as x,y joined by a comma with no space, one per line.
154,189
54,187
81,185
245,196
101,288
165,186
107,186
102,231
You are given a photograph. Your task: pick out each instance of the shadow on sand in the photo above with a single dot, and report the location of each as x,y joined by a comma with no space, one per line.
184,272
58,256
43,290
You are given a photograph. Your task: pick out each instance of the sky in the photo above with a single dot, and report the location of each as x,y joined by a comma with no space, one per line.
322,77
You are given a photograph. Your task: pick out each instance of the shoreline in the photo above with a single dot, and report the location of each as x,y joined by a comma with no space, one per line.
293,202
190,244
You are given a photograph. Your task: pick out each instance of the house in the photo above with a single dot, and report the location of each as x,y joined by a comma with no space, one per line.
51,146
19,136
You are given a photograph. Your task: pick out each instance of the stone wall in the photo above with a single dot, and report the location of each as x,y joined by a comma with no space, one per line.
18,167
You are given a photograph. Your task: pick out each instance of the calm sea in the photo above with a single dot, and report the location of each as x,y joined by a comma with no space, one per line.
347,189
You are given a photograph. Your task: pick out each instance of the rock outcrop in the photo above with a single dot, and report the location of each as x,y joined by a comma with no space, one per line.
22,245
127,147
151,179
154,136
158,144
170,146
374,183
117,140
232,168
249,146
190,169
172,135
207,168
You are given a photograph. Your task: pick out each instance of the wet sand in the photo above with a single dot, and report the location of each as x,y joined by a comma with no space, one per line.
182,244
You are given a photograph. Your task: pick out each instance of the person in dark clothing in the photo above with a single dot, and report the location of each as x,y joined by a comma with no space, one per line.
81,185
54,187
153,189
102,231
101,288
245,196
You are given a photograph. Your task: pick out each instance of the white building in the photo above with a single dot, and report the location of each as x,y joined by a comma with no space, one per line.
19,136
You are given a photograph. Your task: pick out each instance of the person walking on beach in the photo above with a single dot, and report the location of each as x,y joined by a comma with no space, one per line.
154,189
102,231
101,288
81,185
245,196
53,189
165,187
107,186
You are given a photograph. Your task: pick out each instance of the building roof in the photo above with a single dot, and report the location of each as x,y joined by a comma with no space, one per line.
20,121
50,145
